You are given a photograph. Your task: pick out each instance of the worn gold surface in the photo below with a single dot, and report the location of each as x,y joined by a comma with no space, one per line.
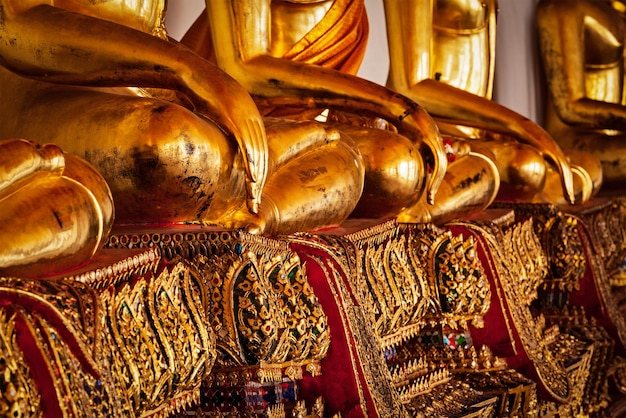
263,44
55,209
269,324
442,54
140,345
176,138
582,46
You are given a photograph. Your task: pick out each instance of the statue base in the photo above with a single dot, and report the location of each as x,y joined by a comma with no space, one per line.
514,313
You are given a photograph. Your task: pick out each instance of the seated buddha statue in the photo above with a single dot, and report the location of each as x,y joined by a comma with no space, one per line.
176,139
442,54
582,46
298,58
55,210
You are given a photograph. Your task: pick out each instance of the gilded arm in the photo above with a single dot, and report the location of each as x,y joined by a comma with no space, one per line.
458,106
240,35
59,46
561,28
410,35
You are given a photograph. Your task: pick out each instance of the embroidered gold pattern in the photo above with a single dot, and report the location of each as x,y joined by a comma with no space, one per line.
607,224
225,308
340,266
160,335
511,273
459,279
264,311
262,308
399,296
139,348
18,396
402,271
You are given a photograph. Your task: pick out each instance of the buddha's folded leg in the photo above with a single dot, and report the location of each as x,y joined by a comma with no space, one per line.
317,186
49,225
162,162
394,171
49,220
469,186
522,168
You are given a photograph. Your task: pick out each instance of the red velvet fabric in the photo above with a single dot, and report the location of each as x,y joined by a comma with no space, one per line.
40,374
499,327
338,383
589,295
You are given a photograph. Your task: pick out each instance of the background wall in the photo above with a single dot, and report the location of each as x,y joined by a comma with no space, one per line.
517,63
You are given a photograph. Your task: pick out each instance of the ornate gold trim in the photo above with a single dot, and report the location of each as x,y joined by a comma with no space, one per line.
509,270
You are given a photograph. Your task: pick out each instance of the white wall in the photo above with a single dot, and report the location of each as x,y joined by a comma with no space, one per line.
516,59
376,62
180,15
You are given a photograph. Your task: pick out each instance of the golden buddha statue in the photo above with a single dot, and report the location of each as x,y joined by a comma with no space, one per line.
582,46
176,139
55,209
304,54
442,54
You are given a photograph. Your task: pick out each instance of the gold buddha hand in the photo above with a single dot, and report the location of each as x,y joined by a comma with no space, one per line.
264,44
55,209
127,36
582,49
442,55
100,91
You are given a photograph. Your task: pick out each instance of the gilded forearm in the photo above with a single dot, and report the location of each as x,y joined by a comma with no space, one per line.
591,113
82,50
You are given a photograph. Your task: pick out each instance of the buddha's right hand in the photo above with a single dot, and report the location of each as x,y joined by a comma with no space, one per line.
411,120
220,98
249,133
531,133
416,122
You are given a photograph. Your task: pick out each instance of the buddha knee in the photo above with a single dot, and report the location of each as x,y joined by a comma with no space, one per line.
522,171
394,173
172,166
319,188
